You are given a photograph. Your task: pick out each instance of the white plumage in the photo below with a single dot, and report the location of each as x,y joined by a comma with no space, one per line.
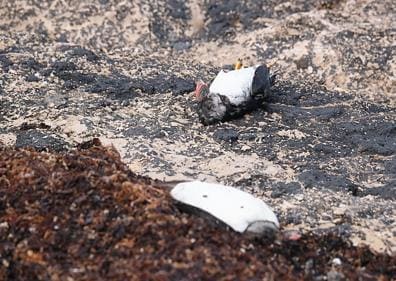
233,93
236,208
234,84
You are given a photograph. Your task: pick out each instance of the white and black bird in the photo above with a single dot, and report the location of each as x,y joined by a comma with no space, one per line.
233,93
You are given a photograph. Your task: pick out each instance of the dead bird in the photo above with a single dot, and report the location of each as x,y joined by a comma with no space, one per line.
233,93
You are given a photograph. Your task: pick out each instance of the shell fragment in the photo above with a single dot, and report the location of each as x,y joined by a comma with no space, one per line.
238,209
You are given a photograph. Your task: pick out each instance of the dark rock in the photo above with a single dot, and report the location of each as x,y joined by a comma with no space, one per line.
293,218
228,135
32,78
249,136
369,136
75,79
329,4
225,18
341,230
169,20
105,103
303,62
61,66
32,64
318,178
387,191
83,52
45,72
181,45
178,9
324,148
136,131
28,126
125,103
180,86
390,166
40,140
290,188
89,144
63,38
119,87
5,62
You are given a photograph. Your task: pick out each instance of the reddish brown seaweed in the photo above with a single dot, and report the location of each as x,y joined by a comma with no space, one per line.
84,215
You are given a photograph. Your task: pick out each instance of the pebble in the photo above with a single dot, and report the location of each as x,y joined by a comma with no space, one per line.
338,211
245,148
5,263
335,276
337,221
4,225
337,261
228,135
299,197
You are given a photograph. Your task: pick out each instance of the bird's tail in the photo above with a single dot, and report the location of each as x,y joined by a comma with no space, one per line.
272,78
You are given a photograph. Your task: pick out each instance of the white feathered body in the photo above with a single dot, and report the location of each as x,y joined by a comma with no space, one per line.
233,93
236,85
232,206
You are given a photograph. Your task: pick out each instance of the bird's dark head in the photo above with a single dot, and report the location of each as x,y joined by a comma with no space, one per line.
201,90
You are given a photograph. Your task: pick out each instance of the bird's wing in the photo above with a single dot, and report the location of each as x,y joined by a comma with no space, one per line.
261,80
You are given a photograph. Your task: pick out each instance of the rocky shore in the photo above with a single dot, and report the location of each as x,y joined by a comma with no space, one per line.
321,152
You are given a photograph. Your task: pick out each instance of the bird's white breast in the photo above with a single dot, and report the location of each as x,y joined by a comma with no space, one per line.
235,84
234,207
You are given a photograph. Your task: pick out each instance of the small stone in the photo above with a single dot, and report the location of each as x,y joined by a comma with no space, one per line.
326,217
339,211
228,135
303,63
245,148
338,221
4,225
181,45
40,140
32,78
299,197
336,261
335,276
309,265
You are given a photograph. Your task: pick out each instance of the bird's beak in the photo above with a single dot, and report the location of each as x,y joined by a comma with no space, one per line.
198,90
